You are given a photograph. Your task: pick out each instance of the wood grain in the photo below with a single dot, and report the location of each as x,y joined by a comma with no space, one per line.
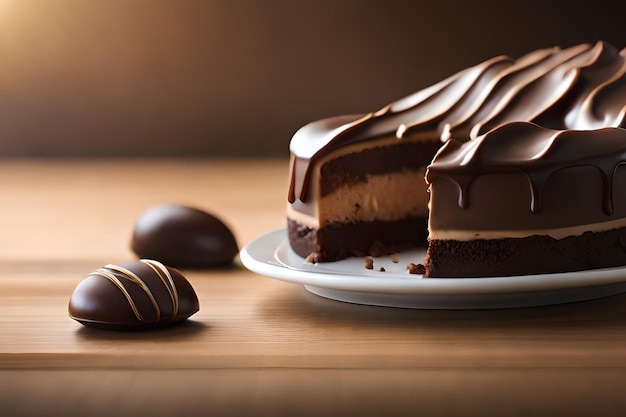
60,220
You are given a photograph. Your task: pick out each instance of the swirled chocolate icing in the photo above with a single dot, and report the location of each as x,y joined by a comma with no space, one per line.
580,87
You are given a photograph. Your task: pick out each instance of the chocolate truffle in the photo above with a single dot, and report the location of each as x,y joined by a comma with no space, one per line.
137,295
183,237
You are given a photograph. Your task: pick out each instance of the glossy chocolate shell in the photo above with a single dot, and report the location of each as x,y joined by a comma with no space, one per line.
137,295
183,237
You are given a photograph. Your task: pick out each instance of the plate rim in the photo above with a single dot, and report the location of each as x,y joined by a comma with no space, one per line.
258,256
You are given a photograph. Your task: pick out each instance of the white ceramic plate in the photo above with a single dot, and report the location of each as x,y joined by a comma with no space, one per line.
349,281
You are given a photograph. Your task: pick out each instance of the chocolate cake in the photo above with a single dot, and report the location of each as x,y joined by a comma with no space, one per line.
523,199
357,182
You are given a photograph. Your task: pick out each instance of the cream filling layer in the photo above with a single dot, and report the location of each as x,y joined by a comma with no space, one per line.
302,218
386,197
558,233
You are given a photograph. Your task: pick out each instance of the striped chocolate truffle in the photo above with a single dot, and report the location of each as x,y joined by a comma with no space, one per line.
136,295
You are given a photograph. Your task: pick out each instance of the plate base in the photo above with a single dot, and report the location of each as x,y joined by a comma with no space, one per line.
470,301
349,281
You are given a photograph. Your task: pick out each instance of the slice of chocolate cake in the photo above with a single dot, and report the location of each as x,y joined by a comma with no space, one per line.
357,182
523,199
365,198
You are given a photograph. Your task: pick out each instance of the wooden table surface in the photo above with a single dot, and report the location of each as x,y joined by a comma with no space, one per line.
260,346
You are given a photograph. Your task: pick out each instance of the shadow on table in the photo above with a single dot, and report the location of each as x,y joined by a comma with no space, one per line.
598,313
185,329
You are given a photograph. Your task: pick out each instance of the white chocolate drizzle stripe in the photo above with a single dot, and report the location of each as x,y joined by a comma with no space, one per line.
135,279
106,274
168,281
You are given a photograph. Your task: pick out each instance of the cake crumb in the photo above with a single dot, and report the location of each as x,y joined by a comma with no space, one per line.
394,258
369,263
417,269
382,269
313,258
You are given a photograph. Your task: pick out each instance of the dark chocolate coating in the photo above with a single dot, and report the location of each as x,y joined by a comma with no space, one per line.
183,237
521,176
136,295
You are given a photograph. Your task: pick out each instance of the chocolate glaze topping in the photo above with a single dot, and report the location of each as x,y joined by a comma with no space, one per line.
582,87
534,151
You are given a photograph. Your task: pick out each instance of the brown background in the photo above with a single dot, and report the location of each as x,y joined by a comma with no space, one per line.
238,77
